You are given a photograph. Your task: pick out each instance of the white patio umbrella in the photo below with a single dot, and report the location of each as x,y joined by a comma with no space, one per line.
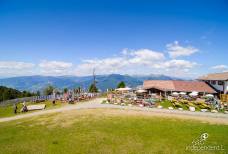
123,89
141,91
193,94
175,93
182,93
209,95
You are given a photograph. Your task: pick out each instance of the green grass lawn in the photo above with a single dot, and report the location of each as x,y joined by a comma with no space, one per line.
106,131
7,111
166,104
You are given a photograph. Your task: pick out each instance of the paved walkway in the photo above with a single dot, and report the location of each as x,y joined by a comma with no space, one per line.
96,103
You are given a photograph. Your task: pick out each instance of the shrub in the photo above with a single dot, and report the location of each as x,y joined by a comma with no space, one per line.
190,104
177,105
185,102
199,103
103,102
204,106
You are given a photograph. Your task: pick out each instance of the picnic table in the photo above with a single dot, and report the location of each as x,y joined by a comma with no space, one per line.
36,107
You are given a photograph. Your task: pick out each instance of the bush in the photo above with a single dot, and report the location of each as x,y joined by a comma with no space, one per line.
199,103
104,101
204,106
185,102
191,104
177,105
173,101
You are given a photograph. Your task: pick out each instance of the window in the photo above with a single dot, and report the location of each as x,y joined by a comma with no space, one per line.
213,82
220,82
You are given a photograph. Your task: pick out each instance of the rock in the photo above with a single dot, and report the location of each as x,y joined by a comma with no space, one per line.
141,105
170,108
180,108
192,109
203,110
214,111
160,107
226,112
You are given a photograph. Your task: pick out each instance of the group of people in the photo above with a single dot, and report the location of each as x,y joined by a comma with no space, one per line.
23,109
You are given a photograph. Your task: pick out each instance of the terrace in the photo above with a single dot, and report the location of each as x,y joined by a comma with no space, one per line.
180,95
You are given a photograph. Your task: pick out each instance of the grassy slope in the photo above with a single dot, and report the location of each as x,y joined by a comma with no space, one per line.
105,131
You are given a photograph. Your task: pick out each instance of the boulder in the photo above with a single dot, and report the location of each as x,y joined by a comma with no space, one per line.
192,109
214,111
203,110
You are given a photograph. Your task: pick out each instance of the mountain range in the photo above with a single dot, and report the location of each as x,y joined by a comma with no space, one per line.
35,83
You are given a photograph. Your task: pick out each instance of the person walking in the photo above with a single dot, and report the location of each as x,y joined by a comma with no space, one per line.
53,101
15,108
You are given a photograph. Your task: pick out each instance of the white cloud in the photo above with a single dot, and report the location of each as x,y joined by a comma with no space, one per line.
175,50
220,67
15,68
129,61
177,68
145,56
143,61
102,66
55,67
15,65
55,64
180,64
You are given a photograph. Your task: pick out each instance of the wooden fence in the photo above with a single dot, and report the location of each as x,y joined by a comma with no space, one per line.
25,99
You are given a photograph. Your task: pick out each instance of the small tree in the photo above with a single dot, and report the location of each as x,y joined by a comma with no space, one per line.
65,90
38,93
48,90
121,85
93,88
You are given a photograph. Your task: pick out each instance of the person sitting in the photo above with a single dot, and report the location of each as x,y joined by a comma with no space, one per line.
24,108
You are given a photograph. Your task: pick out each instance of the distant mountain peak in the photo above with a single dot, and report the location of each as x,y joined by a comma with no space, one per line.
37,82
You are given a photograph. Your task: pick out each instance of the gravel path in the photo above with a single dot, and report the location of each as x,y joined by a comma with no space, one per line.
96,103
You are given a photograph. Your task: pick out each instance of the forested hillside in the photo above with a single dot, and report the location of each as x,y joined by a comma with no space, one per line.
10,93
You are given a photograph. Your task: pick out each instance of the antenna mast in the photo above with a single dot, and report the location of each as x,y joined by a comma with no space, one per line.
94,78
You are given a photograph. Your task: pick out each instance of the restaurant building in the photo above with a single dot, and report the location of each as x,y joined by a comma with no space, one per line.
219,81
166,87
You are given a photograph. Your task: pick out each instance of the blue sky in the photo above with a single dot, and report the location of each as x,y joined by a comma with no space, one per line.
177,38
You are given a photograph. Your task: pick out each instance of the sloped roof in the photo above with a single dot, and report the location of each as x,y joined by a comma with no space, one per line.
159,84
215,76
185,86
